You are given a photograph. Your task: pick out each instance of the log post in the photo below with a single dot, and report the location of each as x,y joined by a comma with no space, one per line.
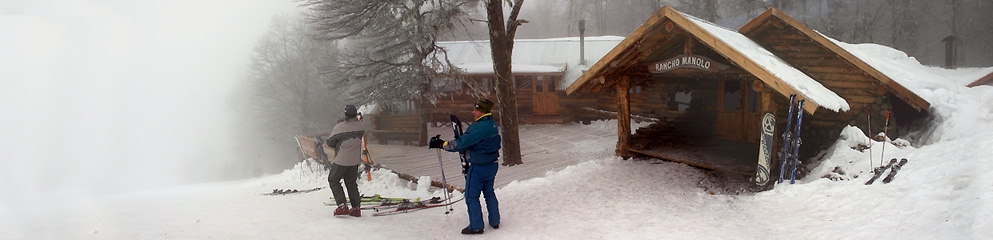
623,117
767,103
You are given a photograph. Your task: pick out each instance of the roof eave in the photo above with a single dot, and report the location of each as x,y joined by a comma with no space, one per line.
902,92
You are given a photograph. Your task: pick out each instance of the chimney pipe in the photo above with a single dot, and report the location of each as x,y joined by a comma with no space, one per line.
949,51
582,42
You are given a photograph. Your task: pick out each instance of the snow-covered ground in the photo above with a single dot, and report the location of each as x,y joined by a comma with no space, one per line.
942,193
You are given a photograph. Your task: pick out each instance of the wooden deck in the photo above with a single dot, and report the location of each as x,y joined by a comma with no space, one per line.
545,147
720,155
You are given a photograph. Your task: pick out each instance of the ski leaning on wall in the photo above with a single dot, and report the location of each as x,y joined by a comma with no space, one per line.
788,157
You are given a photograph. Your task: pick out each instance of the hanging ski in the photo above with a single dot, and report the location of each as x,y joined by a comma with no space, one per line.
787,137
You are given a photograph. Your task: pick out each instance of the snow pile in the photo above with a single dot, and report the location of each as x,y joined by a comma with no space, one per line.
308,174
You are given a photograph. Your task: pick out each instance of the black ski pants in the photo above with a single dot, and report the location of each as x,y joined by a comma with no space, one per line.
350,174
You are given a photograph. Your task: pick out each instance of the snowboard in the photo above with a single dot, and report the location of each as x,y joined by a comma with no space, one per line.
765,149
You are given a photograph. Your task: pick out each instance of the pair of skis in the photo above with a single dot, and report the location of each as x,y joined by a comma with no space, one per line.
291,191
388,206
893,166
410,206
788,157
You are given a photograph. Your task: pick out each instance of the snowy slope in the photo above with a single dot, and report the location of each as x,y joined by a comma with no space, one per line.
942,193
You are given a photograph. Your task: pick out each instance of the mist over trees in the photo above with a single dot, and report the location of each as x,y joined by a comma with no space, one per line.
357,52
916,27
282,95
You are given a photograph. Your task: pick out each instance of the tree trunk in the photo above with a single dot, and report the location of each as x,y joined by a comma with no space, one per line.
502,45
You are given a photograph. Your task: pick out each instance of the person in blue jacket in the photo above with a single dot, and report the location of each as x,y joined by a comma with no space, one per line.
481,145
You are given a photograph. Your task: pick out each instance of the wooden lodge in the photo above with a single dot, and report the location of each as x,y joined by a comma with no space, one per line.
542,69
709,86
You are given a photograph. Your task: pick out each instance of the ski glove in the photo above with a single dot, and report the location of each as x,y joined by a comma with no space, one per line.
436,142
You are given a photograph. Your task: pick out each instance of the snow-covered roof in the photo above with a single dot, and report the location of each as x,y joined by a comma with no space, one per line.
907,71
487,67
806,86
737,48
552,55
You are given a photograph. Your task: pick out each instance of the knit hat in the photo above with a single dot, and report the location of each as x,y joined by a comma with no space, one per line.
484,106
350,111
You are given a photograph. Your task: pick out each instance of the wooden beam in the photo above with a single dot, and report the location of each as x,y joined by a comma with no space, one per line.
688,47
982,80
623,116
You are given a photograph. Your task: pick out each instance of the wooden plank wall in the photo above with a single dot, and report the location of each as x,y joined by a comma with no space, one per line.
461,104
406,128
861,90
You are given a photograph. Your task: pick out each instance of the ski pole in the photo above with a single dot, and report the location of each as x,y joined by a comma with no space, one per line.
444,183
882,154
868,117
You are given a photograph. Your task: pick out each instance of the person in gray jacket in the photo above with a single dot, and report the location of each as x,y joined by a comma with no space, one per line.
346,140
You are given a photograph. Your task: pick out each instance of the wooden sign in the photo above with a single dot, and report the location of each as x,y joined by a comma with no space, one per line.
686,61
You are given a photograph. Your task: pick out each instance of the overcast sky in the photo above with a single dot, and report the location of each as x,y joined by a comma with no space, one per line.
118,95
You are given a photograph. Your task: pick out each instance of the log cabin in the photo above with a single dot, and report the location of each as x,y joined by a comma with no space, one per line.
542,69
708,87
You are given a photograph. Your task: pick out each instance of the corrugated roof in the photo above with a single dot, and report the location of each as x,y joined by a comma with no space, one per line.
533,55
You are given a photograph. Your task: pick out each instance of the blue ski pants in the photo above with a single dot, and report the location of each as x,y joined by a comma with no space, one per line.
479,179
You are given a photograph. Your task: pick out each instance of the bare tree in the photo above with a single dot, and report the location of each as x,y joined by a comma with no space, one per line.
390,45
283,95
284,72
502,45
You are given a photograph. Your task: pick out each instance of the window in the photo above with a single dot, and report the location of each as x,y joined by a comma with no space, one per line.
488,85
679,101
753,100
635,90
446,85
732,95
552,82
539,84
523,84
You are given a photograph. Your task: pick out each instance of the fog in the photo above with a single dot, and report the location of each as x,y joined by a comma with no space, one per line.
120,95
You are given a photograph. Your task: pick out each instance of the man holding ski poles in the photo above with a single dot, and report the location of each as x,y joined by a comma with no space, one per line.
481,145
346,140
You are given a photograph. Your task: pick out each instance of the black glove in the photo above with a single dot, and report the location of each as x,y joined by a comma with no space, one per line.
436,142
